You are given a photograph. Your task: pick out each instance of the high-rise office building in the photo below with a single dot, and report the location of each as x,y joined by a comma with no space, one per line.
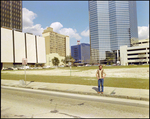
112,24
11,14
81,53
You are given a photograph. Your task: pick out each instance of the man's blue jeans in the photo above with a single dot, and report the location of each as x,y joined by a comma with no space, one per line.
100,82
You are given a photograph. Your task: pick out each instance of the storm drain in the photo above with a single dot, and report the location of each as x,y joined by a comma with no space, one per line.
54,111
113,92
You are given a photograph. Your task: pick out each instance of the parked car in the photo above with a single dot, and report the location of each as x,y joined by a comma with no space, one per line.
114,64
95,65
27,67
30,67
46,67
145,64
108,65
54,66
61,66
87,65
10,68
39,67
20,68
14,68
35,68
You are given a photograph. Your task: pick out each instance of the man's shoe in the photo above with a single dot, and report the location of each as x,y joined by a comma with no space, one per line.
98,92
101,92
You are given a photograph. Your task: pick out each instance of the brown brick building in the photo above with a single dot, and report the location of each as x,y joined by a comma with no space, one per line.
11,14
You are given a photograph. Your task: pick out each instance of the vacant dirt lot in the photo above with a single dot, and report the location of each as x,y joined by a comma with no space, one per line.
116,72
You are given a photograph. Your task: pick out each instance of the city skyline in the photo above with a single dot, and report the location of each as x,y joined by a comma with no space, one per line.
71,18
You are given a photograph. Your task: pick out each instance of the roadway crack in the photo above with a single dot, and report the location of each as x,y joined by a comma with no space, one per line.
81,103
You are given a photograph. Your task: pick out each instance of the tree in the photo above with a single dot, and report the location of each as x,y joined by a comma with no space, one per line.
55,61
109,60
68,59
110,56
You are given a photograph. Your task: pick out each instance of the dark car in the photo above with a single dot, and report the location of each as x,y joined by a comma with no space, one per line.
9,69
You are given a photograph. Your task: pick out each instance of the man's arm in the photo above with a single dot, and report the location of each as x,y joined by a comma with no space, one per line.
104,74
97,75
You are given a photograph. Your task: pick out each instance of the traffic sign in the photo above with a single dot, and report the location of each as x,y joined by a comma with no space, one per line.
24,61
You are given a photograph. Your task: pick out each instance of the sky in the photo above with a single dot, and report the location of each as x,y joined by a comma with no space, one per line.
71,18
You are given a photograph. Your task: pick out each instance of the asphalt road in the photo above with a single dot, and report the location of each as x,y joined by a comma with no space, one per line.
20,104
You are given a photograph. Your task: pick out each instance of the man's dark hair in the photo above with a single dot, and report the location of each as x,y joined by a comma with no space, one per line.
100,65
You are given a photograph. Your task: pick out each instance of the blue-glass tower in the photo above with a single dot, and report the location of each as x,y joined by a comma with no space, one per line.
81,53
112,24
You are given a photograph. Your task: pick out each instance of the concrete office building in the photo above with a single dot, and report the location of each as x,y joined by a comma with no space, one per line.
17,45
112,24
56,44
136,42
11,14
138,54
81,53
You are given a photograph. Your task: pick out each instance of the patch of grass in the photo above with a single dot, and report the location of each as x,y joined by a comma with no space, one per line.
109,82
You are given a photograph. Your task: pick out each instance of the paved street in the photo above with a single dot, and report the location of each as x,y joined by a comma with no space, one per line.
20,104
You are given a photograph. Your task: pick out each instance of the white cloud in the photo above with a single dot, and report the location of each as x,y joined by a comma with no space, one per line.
28,26
143,32
35,29
85,33
72,33
28,17
56,26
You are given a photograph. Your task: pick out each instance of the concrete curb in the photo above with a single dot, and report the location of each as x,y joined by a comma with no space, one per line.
84,93
105,95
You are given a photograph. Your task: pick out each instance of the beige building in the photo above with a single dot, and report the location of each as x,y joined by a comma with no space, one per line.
138,54
56,44
49,58
136,42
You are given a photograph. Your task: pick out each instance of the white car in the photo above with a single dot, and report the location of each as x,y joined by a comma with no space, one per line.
39,67
61,66
87,65
27,67
46,67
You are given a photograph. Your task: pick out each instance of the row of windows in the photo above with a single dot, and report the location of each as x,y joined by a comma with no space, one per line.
6,12
8,17
13,26
8,21
8,6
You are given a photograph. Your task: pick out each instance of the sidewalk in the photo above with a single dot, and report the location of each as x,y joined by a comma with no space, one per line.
128,93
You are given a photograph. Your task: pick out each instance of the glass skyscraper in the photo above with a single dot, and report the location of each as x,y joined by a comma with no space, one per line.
112,24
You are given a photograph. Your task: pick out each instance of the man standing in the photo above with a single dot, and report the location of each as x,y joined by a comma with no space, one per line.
100,74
